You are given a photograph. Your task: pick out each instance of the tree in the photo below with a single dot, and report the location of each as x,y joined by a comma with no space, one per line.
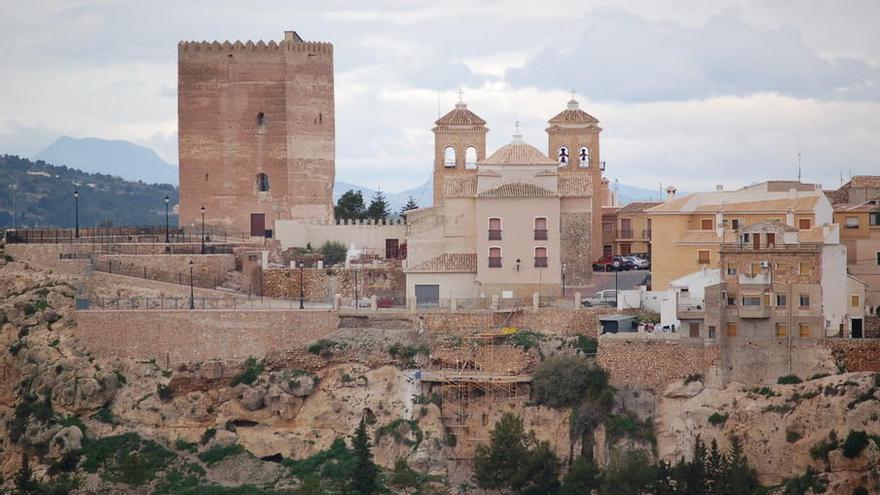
379,207
738,476
350,206
24,477
365,474
410,205
403,477
629,474
333,252
515,460
583,477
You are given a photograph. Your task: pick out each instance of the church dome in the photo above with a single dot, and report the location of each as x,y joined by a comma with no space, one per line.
518,153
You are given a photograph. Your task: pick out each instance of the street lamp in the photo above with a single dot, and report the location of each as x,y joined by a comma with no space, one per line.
203,210
167,238
356,302
563,279
518,261
616,271
76,211
192,295
302,266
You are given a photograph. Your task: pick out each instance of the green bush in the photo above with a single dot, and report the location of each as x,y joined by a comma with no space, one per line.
628,426
183,445
526,339
718,418
251,372
324,347
407,353
400,430
208,435
788,380
854,444
586,345
818,376
820,450
564,381
219,452
792,435
333,252
105,415
765,391
125,458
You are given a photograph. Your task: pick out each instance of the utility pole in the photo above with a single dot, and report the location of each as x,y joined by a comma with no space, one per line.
192,294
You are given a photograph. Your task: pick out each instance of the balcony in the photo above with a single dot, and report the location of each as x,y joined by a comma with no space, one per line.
759,311
690,308
494,262
625,234
494,235
540,234
762,278
540,262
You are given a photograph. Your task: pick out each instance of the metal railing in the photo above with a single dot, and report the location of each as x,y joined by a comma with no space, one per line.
116,235
197,303
198,279
625,234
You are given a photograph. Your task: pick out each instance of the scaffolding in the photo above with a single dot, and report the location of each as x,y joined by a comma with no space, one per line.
483,368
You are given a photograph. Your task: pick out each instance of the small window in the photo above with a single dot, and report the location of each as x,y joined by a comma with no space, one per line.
703,257
746,238
694,330
874,218
540,257
781,300
584,157
540,229
754,268
607,227
805,224
731,268
804,330
771,239
852,222
781,330
707,224
711,331
262,182
494,257
734,223
731,300
855,301
805,301
751,300
494,229
805,268
878,257
449,157
731,329
562,156
767,299
261,119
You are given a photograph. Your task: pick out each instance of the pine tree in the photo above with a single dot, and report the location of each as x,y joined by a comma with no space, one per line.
365,474
379,207
24,477
410,205
739,477
583,477
403,477
350,206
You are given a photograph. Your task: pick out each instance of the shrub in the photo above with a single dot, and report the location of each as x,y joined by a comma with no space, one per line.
718,418
820,450
333,252
219,452
251,372
564,381
792,435
788,380
434,398
854,444
693,377
207,436
628,426
183,445
125,458
526,339
810,481
865,396
324,347
400,429
407,353
818,376
164,391
586,345
105,415
765,391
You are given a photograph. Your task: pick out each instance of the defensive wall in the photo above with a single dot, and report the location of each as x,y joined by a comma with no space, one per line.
321,284
208,270
360,234
175,337
654,360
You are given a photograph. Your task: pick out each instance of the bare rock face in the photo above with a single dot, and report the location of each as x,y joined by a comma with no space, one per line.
251,397
681,390
65,441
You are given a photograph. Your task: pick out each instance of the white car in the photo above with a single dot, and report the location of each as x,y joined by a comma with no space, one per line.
639,263
607,297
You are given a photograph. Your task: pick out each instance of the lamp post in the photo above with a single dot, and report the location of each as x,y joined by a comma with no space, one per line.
76,211
356,302
192,294
616,271
563,279
167,237
302,266
203,228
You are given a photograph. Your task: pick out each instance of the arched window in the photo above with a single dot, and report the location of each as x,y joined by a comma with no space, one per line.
261,119
262,182
470,157
449,157
584,157
562,156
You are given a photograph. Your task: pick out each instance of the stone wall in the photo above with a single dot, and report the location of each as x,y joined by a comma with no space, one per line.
47,257
575,247
653,362
856,354
550,321
872,327
209,270
322,284
175,337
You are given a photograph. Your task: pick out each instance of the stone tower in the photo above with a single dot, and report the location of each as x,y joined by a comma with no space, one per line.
256,132
459,141
573,137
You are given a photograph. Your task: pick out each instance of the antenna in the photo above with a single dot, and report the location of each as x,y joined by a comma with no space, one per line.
799,162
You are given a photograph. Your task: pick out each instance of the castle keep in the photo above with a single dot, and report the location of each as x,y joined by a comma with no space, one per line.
257,133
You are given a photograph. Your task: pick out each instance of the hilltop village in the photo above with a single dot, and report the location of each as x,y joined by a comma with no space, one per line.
269,341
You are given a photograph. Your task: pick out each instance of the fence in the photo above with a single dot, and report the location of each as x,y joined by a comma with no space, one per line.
115,235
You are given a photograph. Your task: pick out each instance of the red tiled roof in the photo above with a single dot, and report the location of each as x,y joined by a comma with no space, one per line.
447,263
638,206
516,190
573,115
460,116
459,187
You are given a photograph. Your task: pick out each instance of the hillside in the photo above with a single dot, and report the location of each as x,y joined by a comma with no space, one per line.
44,197
120,158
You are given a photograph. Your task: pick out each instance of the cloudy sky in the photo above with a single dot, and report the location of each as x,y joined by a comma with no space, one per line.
691,93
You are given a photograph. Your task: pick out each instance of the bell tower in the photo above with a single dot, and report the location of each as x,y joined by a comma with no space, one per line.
573,141
459,142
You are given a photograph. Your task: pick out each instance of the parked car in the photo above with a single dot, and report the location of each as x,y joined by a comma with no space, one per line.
604,264
624,262
607,297
638,263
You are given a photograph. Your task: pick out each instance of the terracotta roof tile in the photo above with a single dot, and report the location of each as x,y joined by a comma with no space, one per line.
865,182
447,263
518,153
460,116
459,187
638,206
573,115
517,190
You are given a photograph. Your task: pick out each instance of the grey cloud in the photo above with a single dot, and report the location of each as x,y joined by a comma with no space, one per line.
619,56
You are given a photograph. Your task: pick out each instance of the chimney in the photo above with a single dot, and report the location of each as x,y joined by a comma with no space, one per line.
670,193
719,187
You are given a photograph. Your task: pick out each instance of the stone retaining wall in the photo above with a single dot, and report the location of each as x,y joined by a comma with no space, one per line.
856,354
551,321
209,270
323,283
175,337
653,362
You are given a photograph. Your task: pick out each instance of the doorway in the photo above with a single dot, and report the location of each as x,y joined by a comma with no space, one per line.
856,325
258,224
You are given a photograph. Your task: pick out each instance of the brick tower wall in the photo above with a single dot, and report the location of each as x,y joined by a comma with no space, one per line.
222,88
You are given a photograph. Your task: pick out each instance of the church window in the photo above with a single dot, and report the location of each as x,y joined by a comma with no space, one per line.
562,156
584,157
470,157
261,119
449,157
262,182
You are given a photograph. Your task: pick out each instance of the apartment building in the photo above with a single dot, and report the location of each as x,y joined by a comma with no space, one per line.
857,211
628,229
687,232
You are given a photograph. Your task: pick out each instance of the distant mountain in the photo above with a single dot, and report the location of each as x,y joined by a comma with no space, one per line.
43,196
120,158
628,194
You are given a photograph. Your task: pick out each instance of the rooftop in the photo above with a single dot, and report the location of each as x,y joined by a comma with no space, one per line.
573,115
447,263
518,153
460,116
